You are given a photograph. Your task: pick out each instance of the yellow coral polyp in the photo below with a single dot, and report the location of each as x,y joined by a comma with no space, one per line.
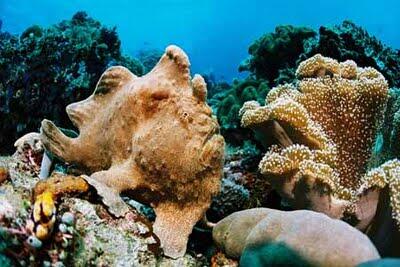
387,174
287,90
317,66
348,69
274,163
291,112
297,153
320,172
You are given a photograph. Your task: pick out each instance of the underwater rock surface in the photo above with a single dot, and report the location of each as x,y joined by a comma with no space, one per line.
92,238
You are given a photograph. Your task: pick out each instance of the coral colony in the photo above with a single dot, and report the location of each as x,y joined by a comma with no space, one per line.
326,127
296,164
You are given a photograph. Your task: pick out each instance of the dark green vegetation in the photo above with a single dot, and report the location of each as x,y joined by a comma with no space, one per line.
388,143
273,53
387,262
274,56
272,254
229,102
149,58
44,69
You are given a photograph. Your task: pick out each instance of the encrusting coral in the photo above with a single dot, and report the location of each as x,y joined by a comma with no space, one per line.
326,127
153,136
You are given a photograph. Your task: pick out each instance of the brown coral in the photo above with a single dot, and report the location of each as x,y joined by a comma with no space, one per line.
3,174
330,120
153,136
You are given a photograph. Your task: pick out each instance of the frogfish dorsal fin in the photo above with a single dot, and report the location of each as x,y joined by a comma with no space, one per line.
112,79
173,66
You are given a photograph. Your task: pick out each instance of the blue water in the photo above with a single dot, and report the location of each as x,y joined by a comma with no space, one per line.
215,33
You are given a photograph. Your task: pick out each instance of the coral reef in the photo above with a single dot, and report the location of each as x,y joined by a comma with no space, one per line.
107,241
324,242
149,58
160,142
44,69
150,149
348,41
273,59
274,56
388,145
276,51
228,102
326,128
242,186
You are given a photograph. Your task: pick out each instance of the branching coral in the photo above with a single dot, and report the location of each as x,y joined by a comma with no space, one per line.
327,125
153,136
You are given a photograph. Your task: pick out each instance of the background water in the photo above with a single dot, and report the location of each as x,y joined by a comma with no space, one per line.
215,33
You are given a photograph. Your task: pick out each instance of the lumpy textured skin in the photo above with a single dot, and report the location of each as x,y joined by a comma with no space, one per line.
152,136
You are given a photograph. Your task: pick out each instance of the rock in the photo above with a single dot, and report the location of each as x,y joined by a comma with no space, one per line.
105,241
34,242
320,240
108,242
68,218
